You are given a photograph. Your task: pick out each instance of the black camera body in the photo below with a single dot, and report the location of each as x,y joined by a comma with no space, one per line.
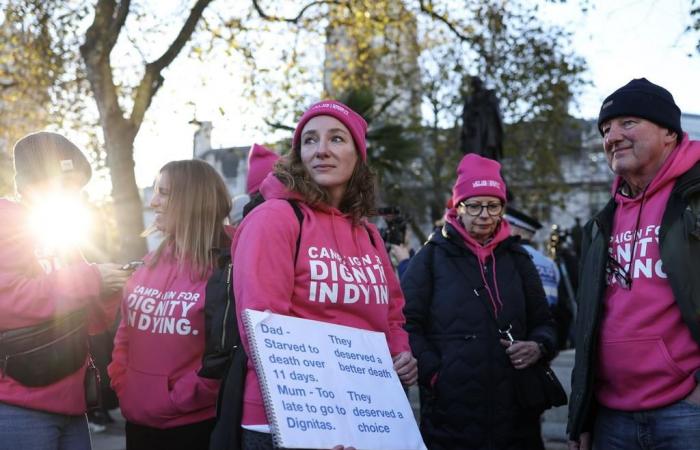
395,230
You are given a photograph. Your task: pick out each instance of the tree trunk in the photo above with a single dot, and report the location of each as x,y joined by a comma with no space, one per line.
128,209
119,128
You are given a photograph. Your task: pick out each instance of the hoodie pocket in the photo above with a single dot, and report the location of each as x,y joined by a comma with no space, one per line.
192,393
628,363
146,398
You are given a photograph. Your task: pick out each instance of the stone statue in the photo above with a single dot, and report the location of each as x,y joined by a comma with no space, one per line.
482,126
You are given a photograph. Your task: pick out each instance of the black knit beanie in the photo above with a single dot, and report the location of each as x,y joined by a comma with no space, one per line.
642,98
42,156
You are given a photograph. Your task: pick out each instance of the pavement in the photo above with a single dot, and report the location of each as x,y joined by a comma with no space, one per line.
553,425
113,437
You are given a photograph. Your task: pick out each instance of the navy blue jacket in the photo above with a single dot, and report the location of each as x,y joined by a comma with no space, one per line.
454,336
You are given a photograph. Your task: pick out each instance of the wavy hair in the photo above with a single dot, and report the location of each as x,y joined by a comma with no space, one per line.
198,208
358,200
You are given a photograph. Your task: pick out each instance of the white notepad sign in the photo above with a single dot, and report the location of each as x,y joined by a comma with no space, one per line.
326,385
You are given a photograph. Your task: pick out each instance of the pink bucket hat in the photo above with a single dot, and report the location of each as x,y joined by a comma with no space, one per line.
353,121
477,176
260,163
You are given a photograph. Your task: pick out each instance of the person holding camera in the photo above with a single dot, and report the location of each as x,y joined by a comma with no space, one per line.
160,341
395,237
476,314
51,299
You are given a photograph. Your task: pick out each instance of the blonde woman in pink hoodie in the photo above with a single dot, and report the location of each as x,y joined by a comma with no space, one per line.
278,261
159,344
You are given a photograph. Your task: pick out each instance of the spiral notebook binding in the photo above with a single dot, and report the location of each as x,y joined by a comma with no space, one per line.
262,381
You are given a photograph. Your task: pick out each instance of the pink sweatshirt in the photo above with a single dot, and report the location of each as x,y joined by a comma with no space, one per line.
158,348
647,355
339,276
37,285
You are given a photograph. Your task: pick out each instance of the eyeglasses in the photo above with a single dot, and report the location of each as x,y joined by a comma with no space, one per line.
614,269
474,209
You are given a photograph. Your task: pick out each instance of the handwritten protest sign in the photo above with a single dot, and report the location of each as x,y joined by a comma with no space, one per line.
325,384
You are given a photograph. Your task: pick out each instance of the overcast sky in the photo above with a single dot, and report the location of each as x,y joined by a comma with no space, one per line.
627,39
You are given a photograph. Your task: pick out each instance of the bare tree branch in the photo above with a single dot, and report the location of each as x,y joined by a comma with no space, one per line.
303,10
117,24
134,44
277,125
152,78
95,52
182,37
384,106
7,84
430,10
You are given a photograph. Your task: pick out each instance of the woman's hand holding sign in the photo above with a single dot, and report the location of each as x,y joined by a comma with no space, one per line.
406,368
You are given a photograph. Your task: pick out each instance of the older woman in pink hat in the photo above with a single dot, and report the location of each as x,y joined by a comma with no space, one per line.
476,313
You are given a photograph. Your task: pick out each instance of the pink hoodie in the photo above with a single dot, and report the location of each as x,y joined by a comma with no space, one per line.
339,276
647,357
158,348
35,286
482,252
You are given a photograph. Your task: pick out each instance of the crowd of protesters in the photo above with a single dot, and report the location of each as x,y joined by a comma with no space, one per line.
475,309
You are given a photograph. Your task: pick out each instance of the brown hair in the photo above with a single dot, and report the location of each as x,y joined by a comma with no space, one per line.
358,200
198,207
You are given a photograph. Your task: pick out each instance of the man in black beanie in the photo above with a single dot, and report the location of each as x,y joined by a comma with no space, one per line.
635,378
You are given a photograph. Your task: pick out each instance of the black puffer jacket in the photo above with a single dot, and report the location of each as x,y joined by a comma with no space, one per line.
453,334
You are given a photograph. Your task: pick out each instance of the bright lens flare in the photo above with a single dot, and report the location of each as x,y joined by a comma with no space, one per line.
61,222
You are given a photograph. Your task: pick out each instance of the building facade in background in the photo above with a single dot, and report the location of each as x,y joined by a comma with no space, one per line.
588,179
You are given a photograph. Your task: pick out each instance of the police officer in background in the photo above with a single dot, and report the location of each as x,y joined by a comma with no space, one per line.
525,226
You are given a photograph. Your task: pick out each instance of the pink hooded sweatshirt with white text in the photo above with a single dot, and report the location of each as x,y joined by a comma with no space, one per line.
36,285
159,345
332,250
647,357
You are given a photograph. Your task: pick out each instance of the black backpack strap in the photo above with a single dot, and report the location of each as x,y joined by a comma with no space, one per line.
255,200
300,217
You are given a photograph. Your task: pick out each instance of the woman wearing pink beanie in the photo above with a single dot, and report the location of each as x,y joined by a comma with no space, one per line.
260,163
327,177
468,291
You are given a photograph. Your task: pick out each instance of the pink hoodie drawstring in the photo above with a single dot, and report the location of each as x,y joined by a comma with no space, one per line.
495,283
496,301
500,234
